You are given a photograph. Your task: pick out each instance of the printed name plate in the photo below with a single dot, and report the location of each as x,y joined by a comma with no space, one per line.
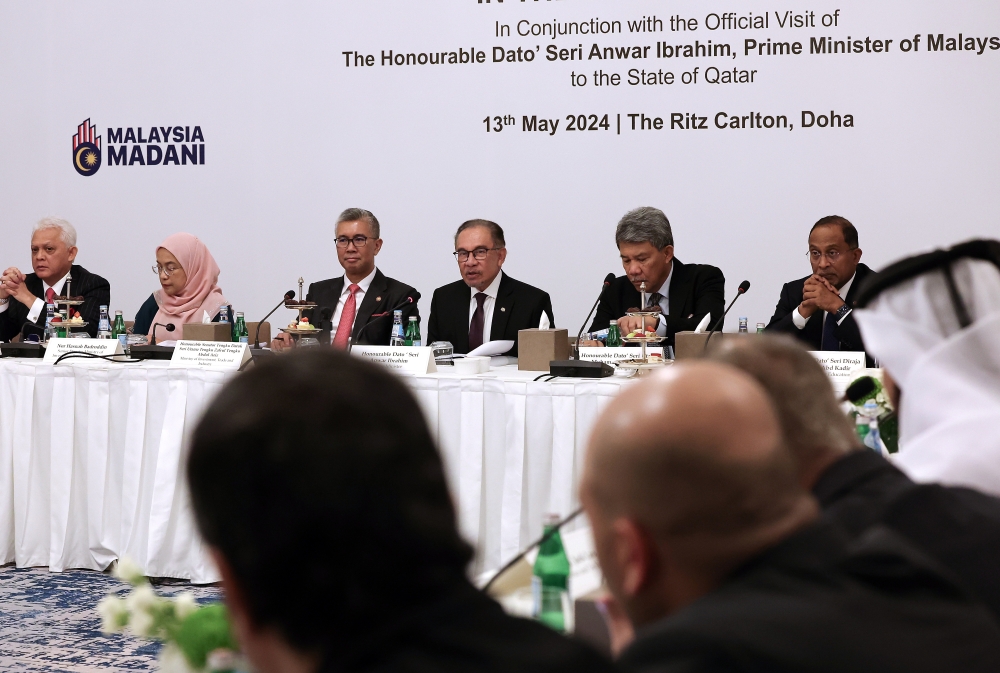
403,359
209,355
840,366
613,356
58,347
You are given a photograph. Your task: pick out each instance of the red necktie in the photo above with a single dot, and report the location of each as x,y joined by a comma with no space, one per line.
478,321
347,318
49,295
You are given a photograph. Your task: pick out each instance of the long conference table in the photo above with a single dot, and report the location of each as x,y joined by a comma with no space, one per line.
92,459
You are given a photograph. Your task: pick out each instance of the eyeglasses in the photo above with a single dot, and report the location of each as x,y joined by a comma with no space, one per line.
833,255
479,254
167,271
359,241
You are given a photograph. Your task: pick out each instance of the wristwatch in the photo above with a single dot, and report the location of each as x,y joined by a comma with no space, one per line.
842,312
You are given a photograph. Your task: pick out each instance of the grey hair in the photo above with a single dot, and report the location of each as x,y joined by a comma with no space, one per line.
67,232
496,231
355,214
645,224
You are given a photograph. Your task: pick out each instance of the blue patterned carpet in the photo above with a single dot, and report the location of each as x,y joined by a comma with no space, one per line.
49,624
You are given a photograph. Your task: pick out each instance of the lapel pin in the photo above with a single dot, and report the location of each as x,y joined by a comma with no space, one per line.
502,309
378,298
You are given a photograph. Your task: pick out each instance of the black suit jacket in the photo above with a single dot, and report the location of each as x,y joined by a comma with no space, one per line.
518,306
383,295
695,289
818,602
847,332
96,292
463,631
957,527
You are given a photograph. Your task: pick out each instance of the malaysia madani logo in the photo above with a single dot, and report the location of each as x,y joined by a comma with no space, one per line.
86,149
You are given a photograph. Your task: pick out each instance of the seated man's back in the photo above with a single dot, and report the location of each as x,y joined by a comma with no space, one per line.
318,488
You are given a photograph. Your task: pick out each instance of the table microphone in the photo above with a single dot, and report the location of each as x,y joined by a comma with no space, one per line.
610,278
405,302
169,327
742,289
537,543
256,337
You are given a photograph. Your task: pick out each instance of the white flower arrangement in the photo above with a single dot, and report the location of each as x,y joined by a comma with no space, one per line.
196,638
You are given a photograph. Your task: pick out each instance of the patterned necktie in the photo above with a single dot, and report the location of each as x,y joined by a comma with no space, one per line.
478,320
49,295
654,300
347,317
829,342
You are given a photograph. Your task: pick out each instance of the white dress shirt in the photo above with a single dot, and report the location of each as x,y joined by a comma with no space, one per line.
39,304
491,300
364,284
800,321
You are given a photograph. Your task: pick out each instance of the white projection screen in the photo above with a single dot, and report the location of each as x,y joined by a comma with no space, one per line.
294,130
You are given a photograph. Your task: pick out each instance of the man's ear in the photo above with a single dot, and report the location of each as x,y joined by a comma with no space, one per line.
635,555
668,252
378,245
72,254
857,255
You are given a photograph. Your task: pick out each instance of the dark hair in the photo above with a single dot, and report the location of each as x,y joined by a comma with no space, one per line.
320,467
356,214
496,231
850,233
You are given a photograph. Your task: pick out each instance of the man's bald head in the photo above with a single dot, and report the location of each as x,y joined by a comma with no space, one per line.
693,453
815,429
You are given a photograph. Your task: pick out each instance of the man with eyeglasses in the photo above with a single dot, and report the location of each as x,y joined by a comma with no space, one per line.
817,309
487,304
357,307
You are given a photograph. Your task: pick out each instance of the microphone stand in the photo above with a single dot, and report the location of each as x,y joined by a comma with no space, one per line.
256,336
576,347
739,293
169,327
537,543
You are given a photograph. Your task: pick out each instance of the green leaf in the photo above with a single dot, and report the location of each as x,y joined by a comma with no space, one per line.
204,631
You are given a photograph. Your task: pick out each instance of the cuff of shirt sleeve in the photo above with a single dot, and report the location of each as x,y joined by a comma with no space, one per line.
35,310
797,318
3,306
661,326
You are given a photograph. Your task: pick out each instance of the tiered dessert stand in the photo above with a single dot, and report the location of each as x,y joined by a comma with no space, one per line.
643,364
68,302
301,307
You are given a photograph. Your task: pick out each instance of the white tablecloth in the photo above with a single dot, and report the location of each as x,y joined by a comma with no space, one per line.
91,460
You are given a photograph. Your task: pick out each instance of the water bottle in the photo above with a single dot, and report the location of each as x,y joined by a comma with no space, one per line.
240,333
397,338
614,339
872,439
104,324
413,332
119,332
550,579
50,311
760,328
224,314
743,325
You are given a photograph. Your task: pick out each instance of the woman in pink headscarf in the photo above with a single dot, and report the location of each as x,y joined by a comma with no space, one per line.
189,288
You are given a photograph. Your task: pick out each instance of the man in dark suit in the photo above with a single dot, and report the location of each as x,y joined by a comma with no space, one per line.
817,309
317,450
719,558
683,293
23,297
487,304
957,527
357,307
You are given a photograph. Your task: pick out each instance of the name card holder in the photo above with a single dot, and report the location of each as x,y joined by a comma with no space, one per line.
411,360
840,366
209,355
58,347
613,356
